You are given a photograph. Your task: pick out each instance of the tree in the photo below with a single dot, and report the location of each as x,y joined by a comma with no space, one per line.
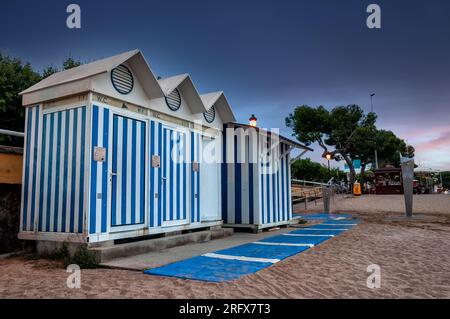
70,63
389,147
335,129
446,179
67,64
15,77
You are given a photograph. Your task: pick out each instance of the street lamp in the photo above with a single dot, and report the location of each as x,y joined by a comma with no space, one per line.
252,120
329,157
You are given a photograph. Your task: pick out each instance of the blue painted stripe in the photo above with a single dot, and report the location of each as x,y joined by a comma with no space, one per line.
49,176
42,182
179,213
261,182
251,208
198,178
142,172
82,162
282,186
164,181
65,173
58,160
74,167
114,169
238,186
274,207
133,170
184,177
35,150
224,167
268,198
160,134
93,211
152,175
192,179
27,169
105,170
280,218
171,163
124,171
288,187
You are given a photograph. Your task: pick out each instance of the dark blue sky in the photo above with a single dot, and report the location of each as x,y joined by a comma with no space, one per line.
268,56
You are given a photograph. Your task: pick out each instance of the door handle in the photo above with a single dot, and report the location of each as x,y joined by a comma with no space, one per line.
111,174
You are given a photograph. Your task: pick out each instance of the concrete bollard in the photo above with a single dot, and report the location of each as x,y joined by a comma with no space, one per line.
326,192
408,177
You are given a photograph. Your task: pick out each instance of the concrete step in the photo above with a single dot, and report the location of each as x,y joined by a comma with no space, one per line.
106,253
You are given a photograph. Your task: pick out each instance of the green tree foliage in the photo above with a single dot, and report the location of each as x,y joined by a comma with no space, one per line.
15,77
333,129
347,133
305,169
446,179
67,64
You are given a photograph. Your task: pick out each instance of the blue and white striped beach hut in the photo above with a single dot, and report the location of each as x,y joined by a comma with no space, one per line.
256,192
113,152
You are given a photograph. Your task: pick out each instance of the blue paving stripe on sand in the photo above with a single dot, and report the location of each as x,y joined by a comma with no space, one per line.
263,251
317,232
208,269
295,239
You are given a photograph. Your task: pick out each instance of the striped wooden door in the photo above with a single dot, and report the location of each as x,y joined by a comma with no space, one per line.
128,172
174,177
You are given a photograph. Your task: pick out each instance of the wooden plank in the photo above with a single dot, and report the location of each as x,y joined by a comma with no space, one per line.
10,168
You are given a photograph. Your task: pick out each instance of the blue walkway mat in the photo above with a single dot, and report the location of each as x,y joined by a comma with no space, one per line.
208,269
314,240
263,251
232,263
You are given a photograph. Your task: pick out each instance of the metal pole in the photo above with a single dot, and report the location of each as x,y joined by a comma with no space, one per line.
12,133
371,102
371,110
376,159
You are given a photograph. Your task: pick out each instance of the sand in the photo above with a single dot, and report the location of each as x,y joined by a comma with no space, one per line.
414,257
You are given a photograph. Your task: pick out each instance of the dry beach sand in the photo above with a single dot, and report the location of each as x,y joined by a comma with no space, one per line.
414,257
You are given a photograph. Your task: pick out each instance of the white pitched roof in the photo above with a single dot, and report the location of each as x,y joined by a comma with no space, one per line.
153,87
219,100
170,84
82,71
190,93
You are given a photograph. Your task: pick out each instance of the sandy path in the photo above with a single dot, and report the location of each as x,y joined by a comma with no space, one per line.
414,259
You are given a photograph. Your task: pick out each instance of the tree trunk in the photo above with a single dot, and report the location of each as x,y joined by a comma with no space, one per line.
363,170
351,167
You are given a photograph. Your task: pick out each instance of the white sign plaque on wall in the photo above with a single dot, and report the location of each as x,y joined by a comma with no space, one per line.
99,154
156,161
